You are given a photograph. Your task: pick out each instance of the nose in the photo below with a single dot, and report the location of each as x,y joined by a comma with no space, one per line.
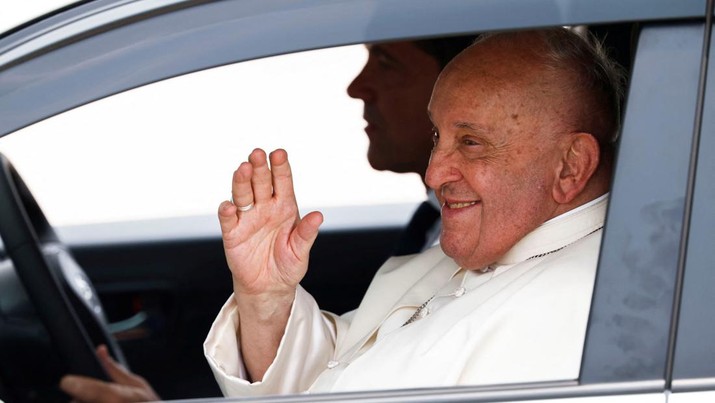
443,168
360,87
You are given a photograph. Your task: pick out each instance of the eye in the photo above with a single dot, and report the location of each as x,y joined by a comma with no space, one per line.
385,61
468,141
435,137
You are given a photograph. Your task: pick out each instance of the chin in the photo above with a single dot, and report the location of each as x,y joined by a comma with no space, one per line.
375,161
454,249
463,253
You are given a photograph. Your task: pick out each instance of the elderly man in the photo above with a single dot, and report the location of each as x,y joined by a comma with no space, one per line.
521,165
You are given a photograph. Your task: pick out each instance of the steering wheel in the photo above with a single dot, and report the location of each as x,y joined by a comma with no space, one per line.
60,291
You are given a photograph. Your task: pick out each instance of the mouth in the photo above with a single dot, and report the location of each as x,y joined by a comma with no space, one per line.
371,117
459,205
370,129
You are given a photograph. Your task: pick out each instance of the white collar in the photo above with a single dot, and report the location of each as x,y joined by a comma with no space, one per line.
559,231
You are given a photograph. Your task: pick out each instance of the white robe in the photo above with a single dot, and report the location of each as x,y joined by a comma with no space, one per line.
526,322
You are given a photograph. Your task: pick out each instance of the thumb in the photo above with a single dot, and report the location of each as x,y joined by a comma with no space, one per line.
84,389
116,372
305,232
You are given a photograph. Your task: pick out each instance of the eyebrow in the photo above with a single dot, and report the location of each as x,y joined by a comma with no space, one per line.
379,50
477,128
472,127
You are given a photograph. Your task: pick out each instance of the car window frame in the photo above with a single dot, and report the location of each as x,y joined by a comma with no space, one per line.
41,69
594,379
694,350
646,213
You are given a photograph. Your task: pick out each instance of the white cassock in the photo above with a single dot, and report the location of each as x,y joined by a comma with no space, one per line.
522,319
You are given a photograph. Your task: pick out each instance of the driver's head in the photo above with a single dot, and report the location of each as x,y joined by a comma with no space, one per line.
395,86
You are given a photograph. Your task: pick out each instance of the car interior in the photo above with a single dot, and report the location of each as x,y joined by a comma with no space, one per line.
153,300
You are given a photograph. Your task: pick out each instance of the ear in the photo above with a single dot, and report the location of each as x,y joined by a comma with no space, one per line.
578,163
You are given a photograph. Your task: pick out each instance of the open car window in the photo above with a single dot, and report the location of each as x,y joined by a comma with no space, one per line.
169,149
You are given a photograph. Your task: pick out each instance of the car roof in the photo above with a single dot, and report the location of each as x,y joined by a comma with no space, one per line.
99,48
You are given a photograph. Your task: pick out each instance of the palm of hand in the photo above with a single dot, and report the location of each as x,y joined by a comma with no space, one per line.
261,254
266,247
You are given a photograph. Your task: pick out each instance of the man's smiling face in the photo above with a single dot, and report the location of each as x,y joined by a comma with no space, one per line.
497,150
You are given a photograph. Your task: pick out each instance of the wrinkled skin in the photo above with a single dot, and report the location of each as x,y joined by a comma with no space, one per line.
504,153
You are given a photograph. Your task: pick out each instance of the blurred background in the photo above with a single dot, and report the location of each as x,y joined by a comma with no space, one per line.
169,149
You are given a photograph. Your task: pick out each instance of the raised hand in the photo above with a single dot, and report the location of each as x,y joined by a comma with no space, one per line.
267,246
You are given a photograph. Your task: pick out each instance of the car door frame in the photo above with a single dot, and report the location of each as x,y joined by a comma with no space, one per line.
36,63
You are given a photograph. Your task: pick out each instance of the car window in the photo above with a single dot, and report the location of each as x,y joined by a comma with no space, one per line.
169,149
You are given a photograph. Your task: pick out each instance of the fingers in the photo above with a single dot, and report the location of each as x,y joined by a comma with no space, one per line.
261,179
306,232
84,389
116,372
125,386
282,176
255,182
90,390
227,217
241,190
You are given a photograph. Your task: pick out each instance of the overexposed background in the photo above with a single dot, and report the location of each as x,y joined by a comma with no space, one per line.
169,149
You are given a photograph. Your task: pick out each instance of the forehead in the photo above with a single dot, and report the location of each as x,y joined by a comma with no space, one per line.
471,90
496,72
495,91
406,51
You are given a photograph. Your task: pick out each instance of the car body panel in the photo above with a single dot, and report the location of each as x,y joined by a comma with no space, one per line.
695,348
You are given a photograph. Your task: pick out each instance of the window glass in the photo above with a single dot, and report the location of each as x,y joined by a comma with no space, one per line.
170,148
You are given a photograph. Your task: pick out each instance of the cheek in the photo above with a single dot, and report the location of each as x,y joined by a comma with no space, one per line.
522,206
512,196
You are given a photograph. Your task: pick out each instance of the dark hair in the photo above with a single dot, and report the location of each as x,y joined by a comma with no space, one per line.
445,49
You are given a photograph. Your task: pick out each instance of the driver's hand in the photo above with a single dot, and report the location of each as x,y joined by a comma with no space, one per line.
125,386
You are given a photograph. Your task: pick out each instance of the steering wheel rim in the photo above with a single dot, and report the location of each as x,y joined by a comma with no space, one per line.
27,235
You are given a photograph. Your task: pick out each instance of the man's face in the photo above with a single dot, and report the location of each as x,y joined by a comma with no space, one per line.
395,85
496,154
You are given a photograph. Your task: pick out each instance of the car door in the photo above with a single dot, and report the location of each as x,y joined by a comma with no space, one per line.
630,338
